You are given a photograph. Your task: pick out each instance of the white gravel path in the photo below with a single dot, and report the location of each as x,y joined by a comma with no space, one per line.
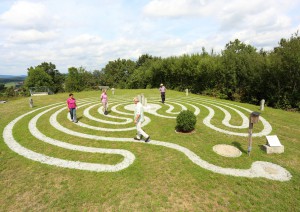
258,168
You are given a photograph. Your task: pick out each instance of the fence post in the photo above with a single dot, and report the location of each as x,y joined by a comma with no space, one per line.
262,104
31,102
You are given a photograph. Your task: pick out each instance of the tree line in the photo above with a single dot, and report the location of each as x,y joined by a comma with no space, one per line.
240,73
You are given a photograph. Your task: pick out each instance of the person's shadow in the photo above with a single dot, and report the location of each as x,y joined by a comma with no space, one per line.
239,146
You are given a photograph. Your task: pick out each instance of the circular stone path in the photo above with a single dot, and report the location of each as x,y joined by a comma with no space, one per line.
227,150
258,168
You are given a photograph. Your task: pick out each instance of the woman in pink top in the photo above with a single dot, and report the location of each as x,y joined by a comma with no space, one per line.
104,101
71,103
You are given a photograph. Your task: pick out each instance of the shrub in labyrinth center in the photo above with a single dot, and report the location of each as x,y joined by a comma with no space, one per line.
186,121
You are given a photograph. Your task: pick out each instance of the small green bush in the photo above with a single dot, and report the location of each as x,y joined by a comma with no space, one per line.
186,121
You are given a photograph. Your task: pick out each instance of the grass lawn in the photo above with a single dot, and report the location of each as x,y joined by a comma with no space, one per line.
159,178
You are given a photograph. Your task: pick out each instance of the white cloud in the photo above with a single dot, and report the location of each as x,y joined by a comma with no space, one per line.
30,36
91,33
25,15
258,14
85,39
170,8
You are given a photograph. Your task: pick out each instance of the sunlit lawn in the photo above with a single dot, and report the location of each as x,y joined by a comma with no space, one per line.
160,179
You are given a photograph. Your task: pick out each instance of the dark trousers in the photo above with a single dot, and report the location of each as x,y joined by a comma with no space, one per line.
163,97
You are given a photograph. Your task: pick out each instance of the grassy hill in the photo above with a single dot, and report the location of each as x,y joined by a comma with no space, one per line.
160,176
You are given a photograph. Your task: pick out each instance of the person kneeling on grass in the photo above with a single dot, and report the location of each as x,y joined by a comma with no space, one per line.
138,119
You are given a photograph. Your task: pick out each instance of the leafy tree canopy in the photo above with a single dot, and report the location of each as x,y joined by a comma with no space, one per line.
45,74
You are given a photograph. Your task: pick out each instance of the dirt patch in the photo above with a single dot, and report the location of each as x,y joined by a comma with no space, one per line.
271,170
191,132
227,150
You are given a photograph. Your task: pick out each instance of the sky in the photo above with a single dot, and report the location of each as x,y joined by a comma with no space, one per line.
90,33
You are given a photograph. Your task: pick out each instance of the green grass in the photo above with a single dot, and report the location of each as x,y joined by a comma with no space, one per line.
160,179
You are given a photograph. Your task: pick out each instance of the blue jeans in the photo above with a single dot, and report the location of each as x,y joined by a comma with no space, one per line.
73,114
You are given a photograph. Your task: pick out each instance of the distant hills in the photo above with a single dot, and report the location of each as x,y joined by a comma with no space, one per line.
11,78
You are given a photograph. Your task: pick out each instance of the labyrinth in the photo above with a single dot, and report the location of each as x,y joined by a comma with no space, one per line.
110,127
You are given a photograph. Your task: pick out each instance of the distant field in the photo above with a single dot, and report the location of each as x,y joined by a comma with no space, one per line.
48,163
9,84
10,80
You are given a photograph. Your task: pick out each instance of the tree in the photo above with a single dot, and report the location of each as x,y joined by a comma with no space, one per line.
10,91
73,80
283,76
2,87
37,77
98,76
87,78
239,62
117,73
45,74
143,59
208,75
79,79
56,76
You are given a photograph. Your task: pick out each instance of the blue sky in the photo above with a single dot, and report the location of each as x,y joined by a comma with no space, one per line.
92,32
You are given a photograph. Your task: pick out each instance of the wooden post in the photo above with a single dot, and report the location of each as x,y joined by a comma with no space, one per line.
250,136
253,119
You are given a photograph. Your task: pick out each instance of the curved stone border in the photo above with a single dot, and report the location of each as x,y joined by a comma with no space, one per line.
16,147
147,120
267,127
171,108
87,114
258,168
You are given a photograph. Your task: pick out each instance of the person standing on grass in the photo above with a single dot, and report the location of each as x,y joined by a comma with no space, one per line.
138,119
104,101
71,103
162,90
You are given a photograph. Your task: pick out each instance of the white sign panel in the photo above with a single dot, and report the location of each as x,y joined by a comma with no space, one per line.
272,140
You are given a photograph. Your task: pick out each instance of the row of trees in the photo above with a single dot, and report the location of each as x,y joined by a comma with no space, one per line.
240,72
